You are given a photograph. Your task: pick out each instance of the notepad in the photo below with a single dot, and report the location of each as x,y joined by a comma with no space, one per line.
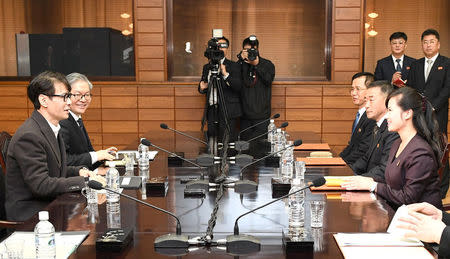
66,242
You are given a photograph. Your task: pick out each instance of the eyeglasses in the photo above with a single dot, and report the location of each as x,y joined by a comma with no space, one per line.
65,96
77,97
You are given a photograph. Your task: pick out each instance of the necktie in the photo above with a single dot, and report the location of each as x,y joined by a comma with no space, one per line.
83,130
355,122
427,73
398,68
375,131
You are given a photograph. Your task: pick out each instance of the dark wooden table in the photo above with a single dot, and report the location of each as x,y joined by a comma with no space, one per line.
344,212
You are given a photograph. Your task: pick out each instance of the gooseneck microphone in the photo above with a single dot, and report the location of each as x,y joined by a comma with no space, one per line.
245,244
283,125
194,184
241,145
166,241
276,116
150,144
247,186
164,126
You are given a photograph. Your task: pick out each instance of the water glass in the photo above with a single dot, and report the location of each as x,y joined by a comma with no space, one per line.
317,209
90,194
14,248
300,168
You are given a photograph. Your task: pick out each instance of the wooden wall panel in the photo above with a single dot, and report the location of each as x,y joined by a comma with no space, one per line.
303,102
348,13
13,114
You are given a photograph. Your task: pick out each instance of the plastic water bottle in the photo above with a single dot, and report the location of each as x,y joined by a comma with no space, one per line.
113,219
143,157
112,182
44,235
279,143
271,129
287,163
296,204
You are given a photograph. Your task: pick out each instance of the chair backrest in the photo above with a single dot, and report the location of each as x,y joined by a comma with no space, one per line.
5,138
444,158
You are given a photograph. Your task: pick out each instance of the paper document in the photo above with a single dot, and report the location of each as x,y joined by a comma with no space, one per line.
402,212
66,242
373,239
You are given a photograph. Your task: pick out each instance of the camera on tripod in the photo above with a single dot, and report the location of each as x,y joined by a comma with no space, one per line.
213,53
253,52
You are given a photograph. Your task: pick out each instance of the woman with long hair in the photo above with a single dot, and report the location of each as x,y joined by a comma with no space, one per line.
411,170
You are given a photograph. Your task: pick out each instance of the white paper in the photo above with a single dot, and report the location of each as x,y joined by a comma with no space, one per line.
66,242
373,239
402,212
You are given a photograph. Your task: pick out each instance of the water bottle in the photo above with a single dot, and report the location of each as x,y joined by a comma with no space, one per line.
296,205
278,142
112,182
113,219
44,235
287,163
143,158
271,129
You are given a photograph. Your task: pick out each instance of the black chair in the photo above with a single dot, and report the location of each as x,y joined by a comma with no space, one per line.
5,138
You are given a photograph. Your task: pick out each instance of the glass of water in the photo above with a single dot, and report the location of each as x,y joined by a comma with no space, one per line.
317,209
300,168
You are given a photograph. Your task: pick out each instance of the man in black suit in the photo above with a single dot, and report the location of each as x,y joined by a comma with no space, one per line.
396,65
76,139
216,114
430,76
362,126
36,159
258,74
373,162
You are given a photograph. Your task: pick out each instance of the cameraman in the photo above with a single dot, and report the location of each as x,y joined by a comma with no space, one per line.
230,82
256,94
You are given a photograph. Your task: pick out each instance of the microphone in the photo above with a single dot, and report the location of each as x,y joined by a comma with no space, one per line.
195,184
148,143
245,244
166,241
246,186
276,116
241,145
283,125
164,126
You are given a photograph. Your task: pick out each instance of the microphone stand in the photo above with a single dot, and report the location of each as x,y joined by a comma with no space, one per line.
165,241
245,244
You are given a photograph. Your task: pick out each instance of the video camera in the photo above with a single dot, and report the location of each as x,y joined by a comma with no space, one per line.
213,53
253,52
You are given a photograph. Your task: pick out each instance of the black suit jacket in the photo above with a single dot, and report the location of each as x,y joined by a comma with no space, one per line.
231,87
412,176
436,89
360,140
37,169
444,244
386,68
373,163
77,147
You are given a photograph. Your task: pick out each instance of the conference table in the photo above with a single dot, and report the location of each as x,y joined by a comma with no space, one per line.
344,211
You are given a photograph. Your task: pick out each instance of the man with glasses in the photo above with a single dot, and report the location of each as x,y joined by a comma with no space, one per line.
430,76
76,139
362,126
396,65
230,80
36,159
